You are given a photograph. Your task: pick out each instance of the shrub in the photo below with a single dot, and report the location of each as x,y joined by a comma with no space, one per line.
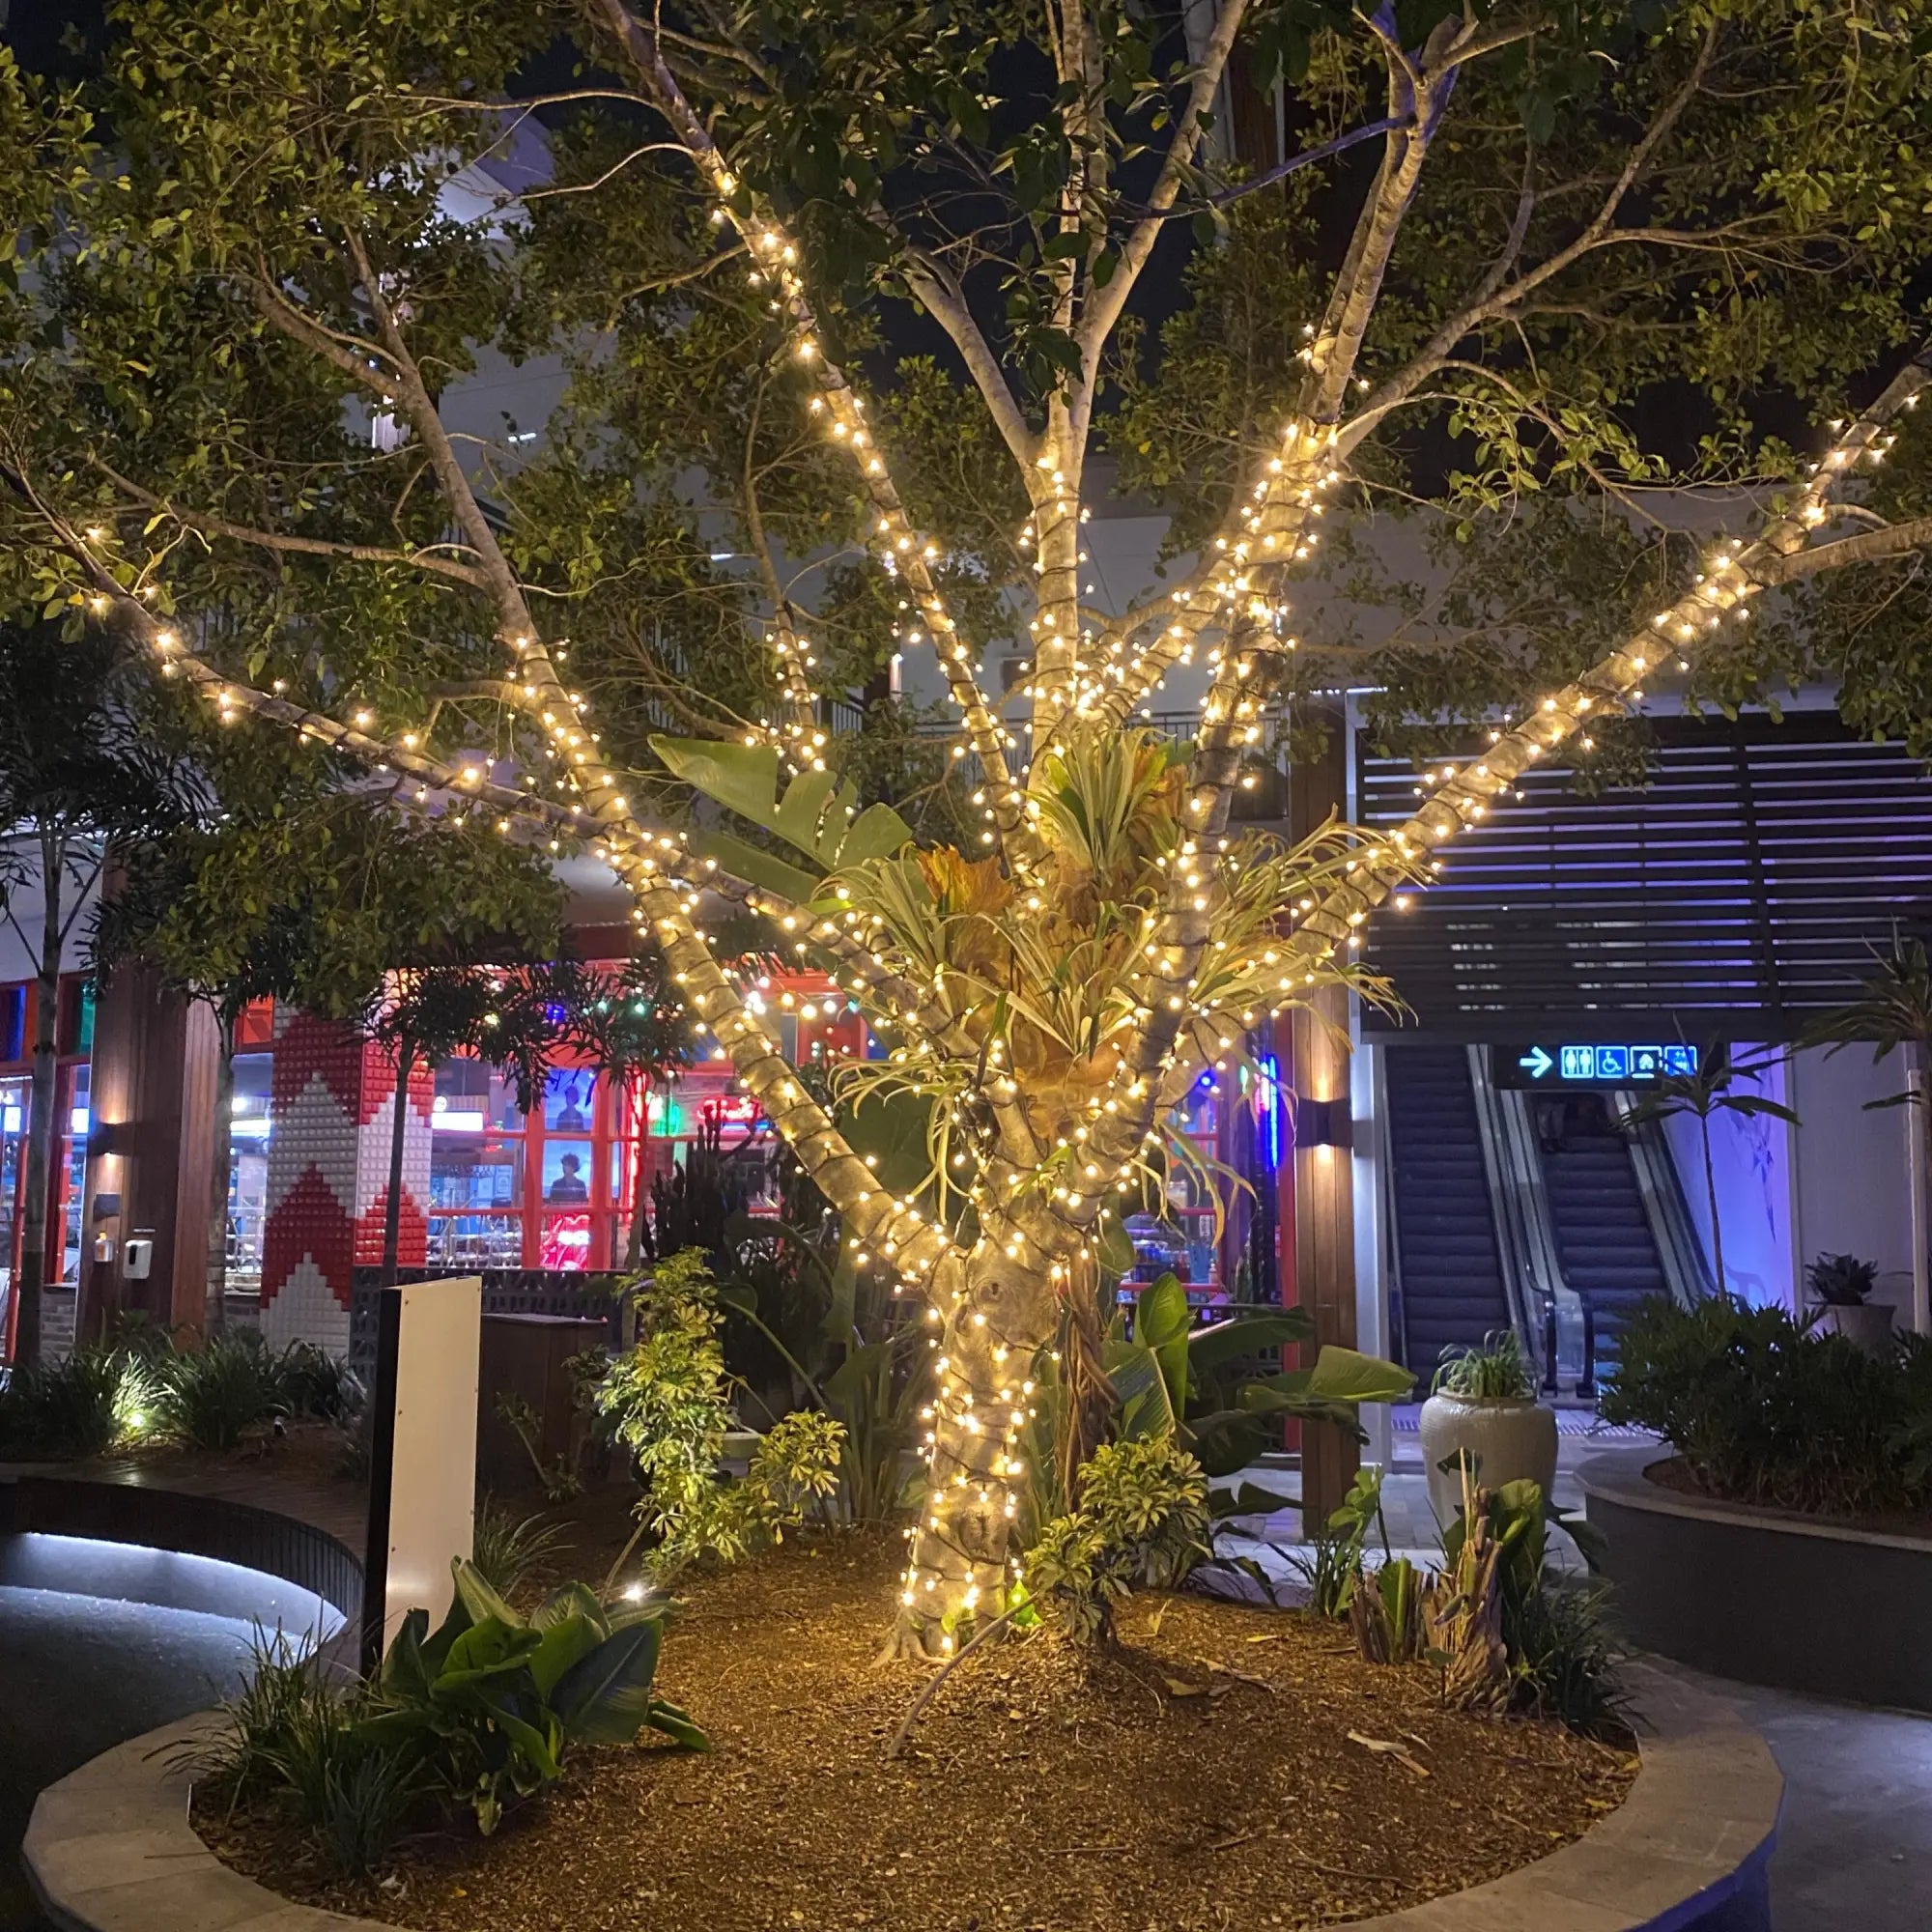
1493,1369
1764,1411
209,1398
668,1402
90,1402
304,1380
505,1549
1141,1520
489,1703
479,1712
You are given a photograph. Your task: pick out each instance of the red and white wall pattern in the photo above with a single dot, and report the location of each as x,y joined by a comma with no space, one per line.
328,1171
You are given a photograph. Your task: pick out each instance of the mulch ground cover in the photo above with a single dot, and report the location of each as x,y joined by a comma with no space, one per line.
1222,1767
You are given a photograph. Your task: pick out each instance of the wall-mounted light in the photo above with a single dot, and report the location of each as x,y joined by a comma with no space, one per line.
105,1137
1323,1124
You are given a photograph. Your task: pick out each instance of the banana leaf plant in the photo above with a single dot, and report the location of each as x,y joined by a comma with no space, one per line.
492,1701
816,816
1172,1375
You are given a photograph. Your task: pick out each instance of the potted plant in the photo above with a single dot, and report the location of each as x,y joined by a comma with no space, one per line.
1841,1284
1483,1406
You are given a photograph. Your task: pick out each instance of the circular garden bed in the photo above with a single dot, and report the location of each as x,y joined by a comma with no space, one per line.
1222,1766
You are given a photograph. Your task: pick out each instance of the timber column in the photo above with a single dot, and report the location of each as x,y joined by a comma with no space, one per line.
1322,1255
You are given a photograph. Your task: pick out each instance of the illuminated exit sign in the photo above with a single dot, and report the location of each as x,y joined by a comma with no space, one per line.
1590,1063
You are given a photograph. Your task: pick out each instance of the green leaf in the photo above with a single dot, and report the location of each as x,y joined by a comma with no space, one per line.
604,1697
745,861
1224,1342
744,777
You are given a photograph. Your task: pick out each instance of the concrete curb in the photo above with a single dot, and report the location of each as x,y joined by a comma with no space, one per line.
110,1848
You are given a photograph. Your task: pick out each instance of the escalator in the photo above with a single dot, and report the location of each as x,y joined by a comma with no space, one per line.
1444,1232
1604,1241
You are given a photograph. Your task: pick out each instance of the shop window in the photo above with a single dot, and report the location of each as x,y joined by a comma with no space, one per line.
12,1023
14,1100
71,1173
570,1100
73,1030
475,1168
249,1129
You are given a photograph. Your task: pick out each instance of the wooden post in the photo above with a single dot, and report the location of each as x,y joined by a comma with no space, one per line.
151,1101
1323,1225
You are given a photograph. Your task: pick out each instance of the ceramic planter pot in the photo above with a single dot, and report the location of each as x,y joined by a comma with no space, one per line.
1514,1440
1868,1324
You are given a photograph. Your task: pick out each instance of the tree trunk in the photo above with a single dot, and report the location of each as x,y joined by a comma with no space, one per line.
1710,1191
1006,1312
32,1278
214,1314
393,1207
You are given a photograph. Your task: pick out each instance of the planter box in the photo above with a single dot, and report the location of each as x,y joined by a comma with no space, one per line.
1772,1598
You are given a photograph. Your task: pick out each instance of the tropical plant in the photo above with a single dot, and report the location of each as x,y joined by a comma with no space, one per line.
426,1014
1764,1409
667,1401
506,1548
1706,1095
245,301
1141,1522
1175,1376
88,1402
1386,1615
489,1703
1558,1654
1493,1369
1331,1562
1893,1013
631,1026
1840,1281
212,1396
293,882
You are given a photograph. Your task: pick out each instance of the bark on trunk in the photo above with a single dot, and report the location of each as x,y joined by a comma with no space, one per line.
215,1313
32,1278
393,1207
1007,1311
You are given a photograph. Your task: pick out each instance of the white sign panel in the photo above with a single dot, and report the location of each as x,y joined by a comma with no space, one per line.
429,1343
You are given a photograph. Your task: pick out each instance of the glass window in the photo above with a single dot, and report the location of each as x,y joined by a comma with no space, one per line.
570,1100
475,1171
475,1241
566,1241
248,1132
76,1176
14,1098
470,1094
569,1171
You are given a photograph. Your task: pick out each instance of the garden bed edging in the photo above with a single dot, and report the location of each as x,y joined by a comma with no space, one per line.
110,1848
1768,1596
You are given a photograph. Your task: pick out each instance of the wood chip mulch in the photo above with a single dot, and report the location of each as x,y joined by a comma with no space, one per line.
1224,1767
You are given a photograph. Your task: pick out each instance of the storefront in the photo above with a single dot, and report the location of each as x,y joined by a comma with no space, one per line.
73,1035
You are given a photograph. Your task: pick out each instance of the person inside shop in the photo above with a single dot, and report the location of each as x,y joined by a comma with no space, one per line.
569,1182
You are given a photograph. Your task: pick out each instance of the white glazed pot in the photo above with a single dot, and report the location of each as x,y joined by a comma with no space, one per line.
1868,1324
1513,1441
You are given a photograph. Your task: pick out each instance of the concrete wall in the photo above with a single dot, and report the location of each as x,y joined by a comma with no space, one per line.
1852,1176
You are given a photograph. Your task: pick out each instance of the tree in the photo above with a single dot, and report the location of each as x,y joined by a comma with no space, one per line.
1569,231
78,775
300,882
427,1014
626,1025
1701,1096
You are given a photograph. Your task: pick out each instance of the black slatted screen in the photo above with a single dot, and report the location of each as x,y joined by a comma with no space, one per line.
1737,894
